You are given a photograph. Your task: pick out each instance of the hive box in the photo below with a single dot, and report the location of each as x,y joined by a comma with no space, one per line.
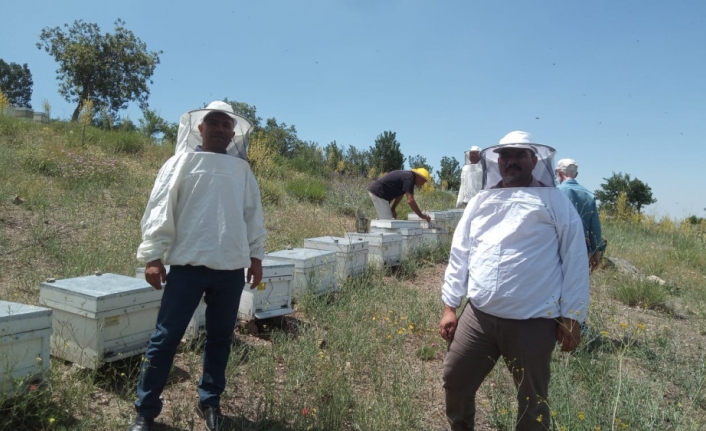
351,256
384,249
100,318
439,219
435,236
410,230
455,215
273,296
314,270
25,331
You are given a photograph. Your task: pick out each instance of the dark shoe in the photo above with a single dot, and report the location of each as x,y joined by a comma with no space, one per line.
142,424
212,415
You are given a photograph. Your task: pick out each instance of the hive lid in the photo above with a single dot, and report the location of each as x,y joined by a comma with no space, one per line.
100,286
302,257
335,243
16,317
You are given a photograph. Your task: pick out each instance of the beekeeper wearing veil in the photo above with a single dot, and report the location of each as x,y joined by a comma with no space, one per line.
204,219
519,256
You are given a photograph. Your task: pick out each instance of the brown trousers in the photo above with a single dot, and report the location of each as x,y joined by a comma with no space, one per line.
480,339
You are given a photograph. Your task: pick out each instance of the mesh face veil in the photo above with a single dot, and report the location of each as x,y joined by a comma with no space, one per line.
543,171
189,137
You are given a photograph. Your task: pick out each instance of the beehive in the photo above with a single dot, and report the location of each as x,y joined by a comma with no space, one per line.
100,318
384,249
314,270
273,296
410,230
351,255
25,331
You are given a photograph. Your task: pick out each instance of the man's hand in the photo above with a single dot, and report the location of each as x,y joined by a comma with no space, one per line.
426,217
568,334
448,324
595,260
156,274
254,274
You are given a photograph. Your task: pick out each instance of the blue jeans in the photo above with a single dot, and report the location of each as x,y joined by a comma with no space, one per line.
182,293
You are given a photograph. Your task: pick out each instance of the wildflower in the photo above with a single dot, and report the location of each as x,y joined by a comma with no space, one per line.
539,418
305,412
503,411
624,325
582,416
554,413
604,333
52,420
641,326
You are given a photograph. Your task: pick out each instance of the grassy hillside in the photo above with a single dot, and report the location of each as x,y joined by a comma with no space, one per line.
365,358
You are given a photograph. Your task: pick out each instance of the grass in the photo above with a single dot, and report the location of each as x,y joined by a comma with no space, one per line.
367,357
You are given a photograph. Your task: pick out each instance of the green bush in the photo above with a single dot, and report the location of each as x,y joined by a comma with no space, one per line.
307,189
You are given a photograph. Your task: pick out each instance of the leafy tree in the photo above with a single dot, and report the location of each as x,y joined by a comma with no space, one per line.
279,137
386,153
110,69
333,155
152,125
450,173
638,194
419,162
359,162
16,83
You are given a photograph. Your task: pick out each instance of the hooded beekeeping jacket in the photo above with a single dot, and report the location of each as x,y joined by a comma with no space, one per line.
519,253
471,183
205,207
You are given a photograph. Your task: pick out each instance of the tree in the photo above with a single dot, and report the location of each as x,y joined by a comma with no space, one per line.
359,162
333,155
110,69
419,162
638,194
16,83
279,137
449,173
152,124
386,153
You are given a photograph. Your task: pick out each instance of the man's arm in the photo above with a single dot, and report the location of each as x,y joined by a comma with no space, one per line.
413,204
393,208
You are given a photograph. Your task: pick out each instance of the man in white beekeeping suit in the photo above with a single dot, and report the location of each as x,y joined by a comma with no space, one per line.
204,219
471,178
519,256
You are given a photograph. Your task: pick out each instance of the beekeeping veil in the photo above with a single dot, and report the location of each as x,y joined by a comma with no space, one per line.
543,170
189,137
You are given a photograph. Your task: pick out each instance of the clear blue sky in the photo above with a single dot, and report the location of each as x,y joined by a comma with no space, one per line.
617,85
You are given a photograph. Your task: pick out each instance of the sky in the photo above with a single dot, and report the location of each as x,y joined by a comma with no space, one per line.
619,86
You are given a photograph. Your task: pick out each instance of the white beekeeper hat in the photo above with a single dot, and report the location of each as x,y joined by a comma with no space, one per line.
475,148
563,164
516,139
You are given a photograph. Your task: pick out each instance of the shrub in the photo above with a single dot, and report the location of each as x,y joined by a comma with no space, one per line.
307,189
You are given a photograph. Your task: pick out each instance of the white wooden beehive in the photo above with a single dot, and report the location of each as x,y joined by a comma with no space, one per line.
435,236
314,270
384,249
100,318
25,331
439,219
410,230
273,296
455,215
351,256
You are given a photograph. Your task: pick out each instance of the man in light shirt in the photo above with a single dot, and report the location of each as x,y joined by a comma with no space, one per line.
204,218
519,256
566,172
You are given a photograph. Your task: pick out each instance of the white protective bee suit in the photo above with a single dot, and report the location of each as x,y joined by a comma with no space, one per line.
204,208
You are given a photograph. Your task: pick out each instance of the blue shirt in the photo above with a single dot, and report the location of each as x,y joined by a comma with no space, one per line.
585,204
